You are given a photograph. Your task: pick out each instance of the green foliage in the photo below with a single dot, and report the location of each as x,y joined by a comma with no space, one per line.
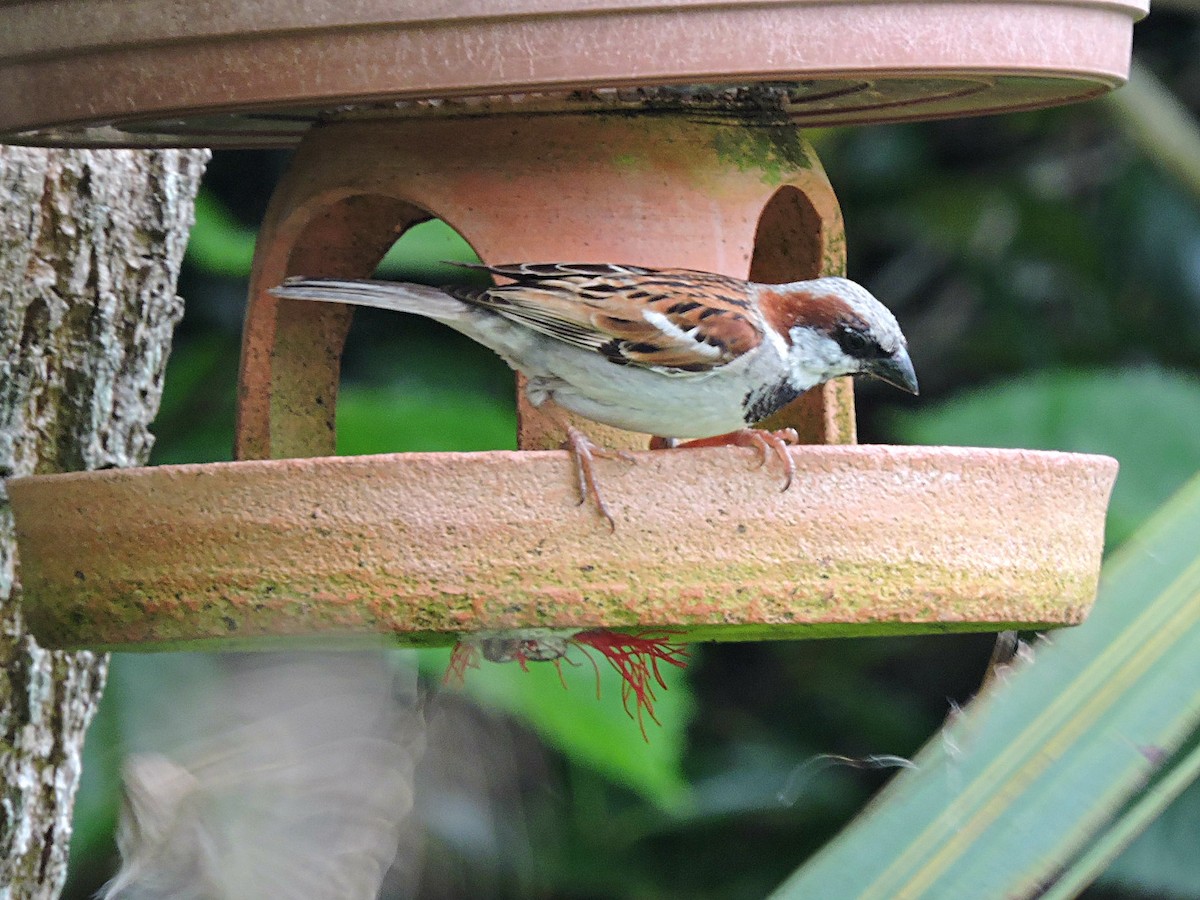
195,419
424,254
379,420
218,244
1162,862
1016,784
1159,860
592,730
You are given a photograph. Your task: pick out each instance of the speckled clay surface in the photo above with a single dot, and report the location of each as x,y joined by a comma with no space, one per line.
425,546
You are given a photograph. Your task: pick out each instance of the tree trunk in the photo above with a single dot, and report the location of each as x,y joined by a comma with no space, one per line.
90,247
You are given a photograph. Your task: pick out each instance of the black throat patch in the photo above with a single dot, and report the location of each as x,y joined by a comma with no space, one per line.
761,402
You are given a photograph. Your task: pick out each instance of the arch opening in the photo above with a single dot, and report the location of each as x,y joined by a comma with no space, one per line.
788,240
292,350
413,384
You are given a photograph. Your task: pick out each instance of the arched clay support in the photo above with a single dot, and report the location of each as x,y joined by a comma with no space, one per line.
745,200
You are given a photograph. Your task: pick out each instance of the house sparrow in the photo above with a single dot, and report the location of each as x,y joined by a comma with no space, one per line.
670,352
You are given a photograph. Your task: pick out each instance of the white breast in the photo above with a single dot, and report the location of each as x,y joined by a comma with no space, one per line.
684,406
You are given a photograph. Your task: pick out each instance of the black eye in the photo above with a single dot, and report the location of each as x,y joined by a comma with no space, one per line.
855,343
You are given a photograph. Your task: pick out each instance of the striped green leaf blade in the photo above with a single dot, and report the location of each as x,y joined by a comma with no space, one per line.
1016,785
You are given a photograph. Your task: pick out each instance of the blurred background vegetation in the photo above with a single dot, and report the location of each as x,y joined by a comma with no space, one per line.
1046,268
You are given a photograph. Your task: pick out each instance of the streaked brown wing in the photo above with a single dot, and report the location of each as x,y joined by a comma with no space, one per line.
671,320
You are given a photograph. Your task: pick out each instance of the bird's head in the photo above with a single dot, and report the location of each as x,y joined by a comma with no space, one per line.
832,326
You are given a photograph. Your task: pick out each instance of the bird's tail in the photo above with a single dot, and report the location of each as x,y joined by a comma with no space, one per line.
400,296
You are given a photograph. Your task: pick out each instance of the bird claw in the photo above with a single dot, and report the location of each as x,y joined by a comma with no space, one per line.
765,442
584,451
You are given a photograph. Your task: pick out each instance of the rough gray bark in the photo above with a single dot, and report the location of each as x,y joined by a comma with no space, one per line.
90,247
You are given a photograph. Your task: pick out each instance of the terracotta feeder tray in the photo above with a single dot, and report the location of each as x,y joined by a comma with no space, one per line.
427,546
159,73
637,133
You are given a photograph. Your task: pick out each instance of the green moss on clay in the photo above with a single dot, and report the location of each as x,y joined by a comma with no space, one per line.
629,162
775,151
833,258
755,599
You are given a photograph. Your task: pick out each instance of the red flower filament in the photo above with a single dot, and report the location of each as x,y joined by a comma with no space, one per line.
464,656
635,657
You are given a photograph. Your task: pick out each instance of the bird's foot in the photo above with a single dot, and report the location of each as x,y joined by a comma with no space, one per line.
765,442
584,451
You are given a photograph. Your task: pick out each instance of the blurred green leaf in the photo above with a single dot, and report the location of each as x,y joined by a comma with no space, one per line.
382,420
1149,419
422,252
988,220
1016,785
195,418
598,733
218,244
1161,861
1150,236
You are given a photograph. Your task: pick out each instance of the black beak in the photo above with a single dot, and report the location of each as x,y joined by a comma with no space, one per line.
897,370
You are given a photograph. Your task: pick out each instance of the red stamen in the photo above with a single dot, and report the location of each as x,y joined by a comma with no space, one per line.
464,656
558,669
636,658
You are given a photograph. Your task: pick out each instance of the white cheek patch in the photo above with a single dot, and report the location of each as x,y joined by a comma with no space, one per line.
818,356
672,331
814,346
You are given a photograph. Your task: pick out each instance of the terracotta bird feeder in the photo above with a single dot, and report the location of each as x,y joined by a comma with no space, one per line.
641,132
